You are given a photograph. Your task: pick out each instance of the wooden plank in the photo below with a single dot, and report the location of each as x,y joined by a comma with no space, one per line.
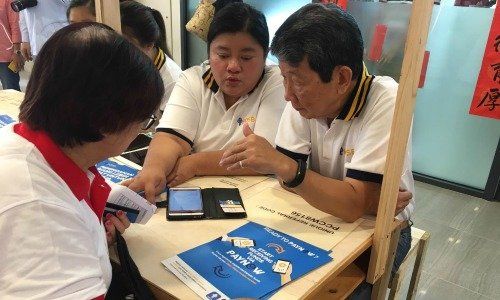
395,286
108,12
417,268
344,254
341,286
401,123
380,287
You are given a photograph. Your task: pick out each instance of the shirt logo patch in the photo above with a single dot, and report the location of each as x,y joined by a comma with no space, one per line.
249,119
347,152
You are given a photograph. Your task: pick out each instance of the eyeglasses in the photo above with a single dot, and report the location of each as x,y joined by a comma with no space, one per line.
149,122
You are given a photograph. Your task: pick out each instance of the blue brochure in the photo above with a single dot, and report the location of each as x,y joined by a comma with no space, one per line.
250,262
5,120
115,171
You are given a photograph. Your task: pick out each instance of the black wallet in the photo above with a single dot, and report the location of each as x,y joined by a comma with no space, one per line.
218,203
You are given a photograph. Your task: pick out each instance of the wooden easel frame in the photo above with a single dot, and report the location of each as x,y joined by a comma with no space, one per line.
382,254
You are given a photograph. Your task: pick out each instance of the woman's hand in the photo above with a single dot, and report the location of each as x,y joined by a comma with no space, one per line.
112,224
256,153
151,180
253,152
184,170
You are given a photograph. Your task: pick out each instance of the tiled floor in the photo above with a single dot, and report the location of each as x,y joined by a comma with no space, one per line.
463,256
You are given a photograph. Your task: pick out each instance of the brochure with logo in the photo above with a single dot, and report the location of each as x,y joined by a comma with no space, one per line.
249,262
115,171
138,209
5,120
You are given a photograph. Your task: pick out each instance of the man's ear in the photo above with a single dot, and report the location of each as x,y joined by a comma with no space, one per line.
343,78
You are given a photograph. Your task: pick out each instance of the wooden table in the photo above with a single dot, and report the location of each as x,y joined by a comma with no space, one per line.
159,239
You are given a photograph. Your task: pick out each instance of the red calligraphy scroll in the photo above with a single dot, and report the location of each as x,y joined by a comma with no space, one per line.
486,99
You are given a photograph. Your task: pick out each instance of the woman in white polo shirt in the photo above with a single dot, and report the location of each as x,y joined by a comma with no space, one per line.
210,103
144,27
53,233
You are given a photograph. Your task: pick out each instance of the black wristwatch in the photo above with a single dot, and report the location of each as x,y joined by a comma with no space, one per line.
299,176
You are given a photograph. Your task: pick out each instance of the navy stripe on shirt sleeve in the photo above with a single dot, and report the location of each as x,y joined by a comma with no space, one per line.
171,131
292,155
364,176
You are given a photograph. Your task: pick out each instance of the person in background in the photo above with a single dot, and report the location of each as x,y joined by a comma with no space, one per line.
81,11
53,231
210,103
145,28
39,22
11,61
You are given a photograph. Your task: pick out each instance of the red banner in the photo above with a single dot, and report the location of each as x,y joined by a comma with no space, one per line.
486,100
377,45
341,3
423,73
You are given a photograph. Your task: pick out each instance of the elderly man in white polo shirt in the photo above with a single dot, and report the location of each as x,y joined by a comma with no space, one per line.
338,117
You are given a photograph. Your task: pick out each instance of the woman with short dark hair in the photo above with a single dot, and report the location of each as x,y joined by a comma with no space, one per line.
145,28
210,103
89,95
142,26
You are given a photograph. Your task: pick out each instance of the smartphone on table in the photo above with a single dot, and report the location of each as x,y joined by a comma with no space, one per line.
184,203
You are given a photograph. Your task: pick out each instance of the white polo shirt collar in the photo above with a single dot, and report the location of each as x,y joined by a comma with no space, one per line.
160,59
95,193
357,100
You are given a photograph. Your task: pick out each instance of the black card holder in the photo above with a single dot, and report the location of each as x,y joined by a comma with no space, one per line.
211,205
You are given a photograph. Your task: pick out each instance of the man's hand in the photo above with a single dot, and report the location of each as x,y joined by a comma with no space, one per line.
150,180
184,170
26,51
256,153
112,224
404,198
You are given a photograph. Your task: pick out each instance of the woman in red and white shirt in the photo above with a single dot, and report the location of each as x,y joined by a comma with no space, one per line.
90,93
